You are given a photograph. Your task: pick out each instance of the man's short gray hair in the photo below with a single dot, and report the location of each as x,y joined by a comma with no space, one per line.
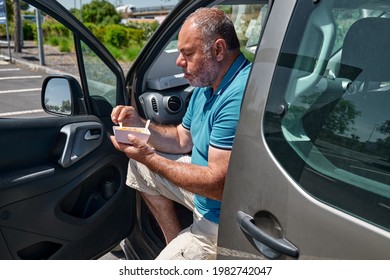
212,24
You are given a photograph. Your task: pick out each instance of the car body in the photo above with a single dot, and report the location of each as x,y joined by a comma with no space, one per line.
309,172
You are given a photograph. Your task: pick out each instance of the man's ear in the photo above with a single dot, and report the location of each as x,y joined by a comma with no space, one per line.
219,49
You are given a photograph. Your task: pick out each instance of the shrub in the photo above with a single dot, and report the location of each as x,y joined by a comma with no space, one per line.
117,53
52,29
132,52
65,45
97,31
54,41
136,35
29,30
116,36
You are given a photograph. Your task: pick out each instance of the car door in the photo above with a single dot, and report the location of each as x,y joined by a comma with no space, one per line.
308,177
62,183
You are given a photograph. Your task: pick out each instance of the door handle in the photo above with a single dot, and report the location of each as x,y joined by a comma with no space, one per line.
81,139
93,134
269,246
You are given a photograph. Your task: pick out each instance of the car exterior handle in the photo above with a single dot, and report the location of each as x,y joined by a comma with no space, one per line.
270,247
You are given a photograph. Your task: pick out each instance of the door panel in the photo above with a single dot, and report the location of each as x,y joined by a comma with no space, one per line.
48,208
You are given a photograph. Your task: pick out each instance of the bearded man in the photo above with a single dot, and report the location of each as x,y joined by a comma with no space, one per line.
188,163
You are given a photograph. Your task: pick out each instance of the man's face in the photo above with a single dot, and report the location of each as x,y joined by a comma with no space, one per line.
199,65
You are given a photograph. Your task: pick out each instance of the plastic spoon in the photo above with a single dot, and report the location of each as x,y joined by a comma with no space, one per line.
147,125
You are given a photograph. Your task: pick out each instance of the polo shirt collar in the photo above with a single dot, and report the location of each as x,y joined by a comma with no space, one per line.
234,69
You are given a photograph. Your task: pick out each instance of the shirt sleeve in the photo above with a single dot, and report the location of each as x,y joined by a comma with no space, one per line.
225,123
186,121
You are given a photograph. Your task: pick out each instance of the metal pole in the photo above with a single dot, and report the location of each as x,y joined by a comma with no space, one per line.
81,13
7,32
40,37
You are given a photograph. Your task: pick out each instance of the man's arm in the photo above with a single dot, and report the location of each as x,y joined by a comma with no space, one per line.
207,181
164,138
170,139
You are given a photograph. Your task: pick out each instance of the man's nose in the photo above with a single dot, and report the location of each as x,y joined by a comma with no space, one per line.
180,61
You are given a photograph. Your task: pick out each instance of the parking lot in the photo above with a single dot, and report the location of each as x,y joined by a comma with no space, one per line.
20,90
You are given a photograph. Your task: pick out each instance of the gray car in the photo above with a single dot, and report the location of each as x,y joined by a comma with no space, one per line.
309,175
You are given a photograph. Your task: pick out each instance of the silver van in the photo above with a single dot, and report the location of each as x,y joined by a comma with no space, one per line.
309,176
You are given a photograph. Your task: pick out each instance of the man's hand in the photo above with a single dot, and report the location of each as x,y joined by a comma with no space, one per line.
138,151
127,115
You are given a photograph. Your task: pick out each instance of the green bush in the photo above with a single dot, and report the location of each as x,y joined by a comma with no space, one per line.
116,52
65,45
29,30
3,31
124,42
53,29
54,41
132,52
144,28
116,36
128,54
97,31
100,12
136,35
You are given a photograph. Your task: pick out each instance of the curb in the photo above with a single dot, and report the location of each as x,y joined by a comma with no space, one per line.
34,66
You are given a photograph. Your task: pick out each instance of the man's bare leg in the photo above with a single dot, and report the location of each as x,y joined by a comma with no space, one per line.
163,209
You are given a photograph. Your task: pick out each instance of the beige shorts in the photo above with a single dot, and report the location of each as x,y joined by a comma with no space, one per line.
198,241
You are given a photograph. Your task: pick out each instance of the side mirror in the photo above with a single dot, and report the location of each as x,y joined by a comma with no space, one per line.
62,95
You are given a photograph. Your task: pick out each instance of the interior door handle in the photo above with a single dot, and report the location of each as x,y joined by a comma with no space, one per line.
93,134
267,245
81,139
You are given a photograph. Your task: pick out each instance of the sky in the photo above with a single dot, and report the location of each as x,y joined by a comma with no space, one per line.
137,3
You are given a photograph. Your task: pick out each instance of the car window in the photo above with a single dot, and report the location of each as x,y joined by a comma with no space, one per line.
100,78
327,119
248,20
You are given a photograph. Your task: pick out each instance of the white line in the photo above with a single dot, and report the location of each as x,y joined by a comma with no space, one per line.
9,69
21,113
20,77
19,90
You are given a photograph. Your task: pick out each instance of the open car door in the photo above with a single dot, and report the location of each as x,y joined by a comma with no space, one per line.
62,183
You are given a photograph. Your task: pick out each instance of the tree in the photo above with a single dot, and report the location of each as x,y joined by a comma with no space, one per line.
24,6
100,12
384,128
10,10
342,117
17,27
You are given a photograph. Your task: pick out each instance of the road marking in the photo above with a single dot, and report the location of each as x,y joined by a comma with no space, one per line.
9,69
20,77
21,113
19,90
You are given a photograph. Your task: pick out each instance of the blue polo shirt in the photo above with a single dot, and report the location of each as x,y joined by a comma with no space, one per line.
212,119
